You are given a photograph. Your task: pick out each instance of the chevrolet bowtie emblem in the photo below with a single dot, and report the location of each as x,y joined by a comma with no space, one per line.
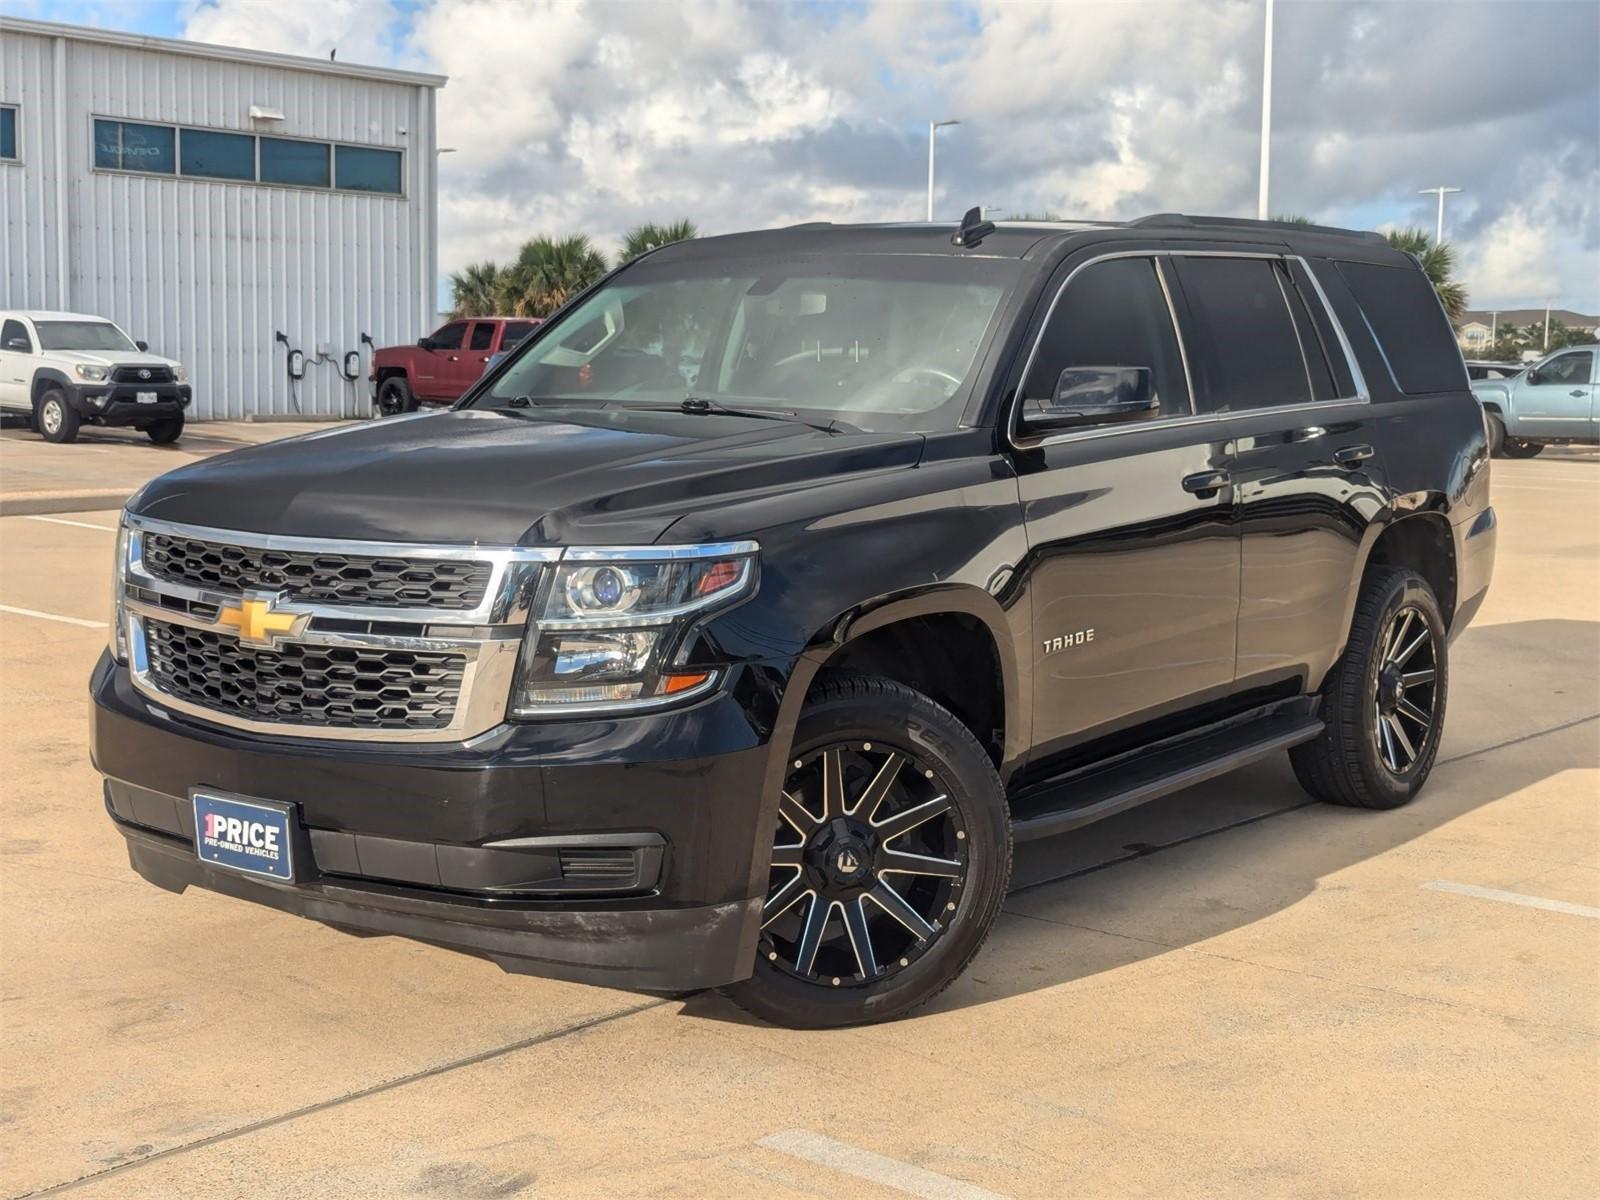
257,622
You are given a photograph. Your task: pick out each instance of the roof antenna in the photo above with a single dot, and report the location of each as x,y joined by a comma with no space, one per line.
973,229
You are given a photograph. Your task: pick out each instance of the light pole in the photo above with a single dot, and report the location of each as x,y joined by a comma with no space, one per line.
1266,118
933,129
1442,192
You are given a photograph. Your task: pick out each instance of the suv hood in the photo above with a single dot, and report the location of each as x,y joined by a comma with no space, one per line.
528,476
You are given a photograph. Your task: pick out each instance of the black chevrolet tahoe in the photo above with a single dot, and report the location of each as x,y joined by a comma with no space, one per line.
731,631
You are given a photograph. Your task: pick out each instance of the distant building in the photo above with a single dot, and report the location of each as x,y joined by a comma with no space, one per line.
209,198
1476,330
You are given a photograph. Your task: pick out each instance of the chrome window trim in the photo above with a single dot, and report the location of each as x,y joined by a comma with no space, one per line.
1361,396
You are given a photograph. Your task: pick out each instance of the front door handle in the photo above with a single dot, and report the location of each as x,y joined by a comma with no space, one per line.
1205,484
1351,456
1578,392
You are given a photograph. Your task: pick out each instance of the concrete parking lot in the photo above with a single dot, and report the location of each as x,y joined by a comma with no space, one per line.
1231,992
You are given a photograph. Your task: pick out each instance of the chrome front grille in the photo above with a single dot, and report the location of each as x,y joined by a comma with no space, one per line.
317,638
328,577
337,687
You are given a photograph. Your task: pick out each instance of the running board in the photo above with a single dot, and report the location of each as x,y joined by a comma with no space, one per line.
1091,793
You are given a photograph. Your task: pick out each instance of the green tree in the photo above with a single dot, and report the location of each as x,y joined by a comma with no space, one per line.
1438,263
548,272
475,291
641,239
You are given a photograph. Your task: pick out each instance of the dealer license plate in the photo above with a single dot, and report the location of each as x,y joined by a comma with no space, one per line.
243,835
146,397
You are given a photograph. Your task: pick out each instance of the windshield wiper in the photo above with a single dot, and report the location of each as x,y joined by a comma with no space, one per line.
703,405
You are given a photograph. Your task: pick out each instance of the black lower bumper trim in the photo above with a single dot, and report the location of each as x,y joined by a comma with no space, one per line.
640,949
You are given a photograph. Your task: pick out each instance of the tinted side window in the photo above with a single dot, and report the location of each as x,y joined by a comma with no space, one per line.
11,331
1568,369
1244,342
1410,328
482,336
286,161
1344,383
449,337
1311,347
515,332
216,155
1113,314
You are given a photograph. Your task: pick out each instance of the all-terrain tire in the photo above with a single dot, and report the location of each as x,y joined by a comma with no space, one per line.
858,711
1346,763
56,419
1519,448
395,397
165,431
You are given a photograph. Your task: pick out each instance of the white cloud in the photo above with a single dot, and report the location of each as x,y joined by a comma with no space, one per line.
592,115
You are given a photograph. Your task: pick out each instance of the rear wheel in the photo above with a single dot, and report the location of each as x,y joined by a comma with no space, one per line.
57,420
1497,436
1518,448
890,859
394,397
1384,702
165,431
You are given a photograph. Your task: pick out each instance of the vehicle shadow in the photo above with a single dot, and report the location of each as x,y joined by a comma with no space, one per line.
1234,850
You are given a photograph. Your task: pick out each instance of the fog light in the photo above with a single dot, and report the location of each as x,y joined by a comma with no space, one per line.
99,401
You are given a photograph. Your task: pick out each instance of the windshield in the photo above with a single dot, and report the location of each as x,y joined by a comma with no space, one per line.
876,341
82,335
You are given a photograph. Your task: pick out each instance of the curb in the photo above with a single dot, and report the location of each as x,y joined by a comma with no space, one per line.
30,504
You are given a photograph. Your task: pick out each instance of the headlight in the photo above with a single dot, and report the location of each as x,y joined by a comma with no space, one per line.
180,373
118,635
612,619
91,372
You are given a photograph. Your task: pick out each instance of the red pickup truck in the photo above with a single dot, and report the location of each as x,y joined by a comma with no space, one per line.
443,365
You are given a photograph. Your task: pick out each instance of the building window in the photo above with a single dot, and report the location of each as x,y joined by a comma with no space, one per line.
362,169
287,161
8,133
216,155
125,146
242,157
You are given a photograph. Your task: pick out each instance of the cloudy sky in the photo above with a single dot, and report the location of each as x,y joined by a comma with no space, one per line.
592,115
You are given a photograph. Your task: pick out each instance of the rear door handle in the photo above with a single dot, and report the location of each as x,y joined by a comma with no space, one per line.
1205,483
1352,455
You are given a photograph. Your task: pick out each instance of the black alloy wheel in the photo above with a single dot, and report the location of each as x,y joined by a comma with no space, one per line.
890,856
1403,704
868,861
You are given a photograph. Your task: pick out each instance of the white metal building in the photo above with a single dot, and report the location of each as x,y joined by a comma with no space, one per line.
209,198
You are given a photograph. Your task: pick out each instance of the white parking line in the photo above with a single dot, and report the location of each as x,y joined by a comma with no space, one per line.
1483,893
864,1164
75,524
44,616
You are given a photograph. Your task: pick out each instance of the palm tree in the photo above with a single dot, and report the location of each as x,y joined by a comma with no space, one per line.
475,290
641,239
1438,263
548,272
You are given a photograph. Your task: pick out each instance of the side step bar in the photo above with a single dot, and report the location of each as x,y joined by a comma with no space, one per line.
1090,793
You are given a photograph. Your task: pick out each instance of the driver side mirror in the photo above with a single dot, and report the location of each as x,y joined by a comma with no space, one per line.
19,344
144,347
1092,396
1533,375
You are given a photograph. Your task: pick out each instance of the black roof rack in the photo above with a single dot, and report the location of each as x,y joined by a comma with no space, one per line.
1183,220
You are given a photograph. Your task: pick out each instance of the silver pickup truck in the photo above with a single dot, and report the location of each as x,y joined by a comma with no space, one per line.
1556,401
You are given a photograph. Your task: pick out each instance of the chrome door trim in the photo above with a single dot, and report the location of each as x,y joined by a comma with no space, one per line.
1362,395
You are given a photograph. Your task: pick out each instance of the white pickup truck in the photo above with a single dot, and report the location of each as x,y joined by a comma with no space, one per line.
66,370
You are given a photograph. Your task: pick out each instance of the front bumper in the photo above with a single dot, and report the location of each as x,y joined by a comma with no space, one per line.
118,403
462,844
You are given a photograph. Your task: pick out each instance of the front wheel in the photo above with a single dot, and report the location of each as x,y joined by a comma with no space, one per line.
1383,703
57,419
395,398
1520,448
891,853
165,431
